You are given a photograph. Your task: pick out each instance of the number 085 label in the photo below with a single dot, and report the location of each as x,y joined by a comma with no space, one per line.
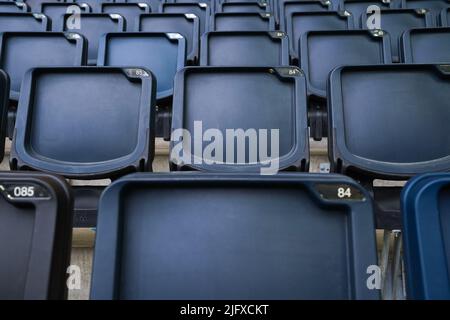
23,191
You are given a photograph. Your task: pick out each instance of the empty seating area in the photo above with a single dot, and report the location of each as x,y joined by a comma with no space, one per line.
185,134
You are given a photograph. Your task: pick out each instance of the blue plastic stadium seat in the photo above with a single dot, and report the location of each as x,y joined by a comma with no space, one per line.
56,11
35,5
201,10
21,51
288,7
162,53
298,23
430,45
242,21
211,236
359,7
154,4
23,22
396,21
389,121
239,48
12,6
93,26
435,6
253,99
322,51
4,95
96,4
187,25
279,4
210,3
444,20
244,7
85,122
426,209
35,236
130,11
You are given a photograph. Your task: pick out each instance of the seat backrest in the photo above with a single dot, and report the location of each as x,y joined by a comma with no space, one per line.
397,21
428,45
244,99
201,10
21,51
4,103
85,123
162,53
154,4
244,7
242,21
186,24
435,6
35,5
426,221
130,11
96,4
11,6
56,11
389,121
298,23
240,48
35,235
359,7
23,22
185,238
322,51
444,20
93,26
287,7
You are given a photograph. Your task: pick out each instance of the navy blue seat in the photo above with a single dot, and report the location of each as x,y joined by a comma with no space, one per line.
323,51
4,95
435,6
56,11
239,48
426,208
85,122
210,3
130,11
93,26
279,4
445,18
21,51
389,121
188,25
162,53
298,23
23,22
154,4
211,236
359,7
244,7
288,7
242,21
35,5
11,6
241,98
35,235
201,10
429,45
396,21
96,5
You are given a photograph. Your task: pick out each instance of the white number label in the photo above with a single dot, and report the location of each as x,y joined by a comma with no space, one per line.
24,191
344,193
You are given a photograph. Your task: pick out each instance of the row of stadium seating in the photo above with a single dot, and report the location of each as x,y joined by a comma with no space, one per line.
161,236
164,53
97,122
